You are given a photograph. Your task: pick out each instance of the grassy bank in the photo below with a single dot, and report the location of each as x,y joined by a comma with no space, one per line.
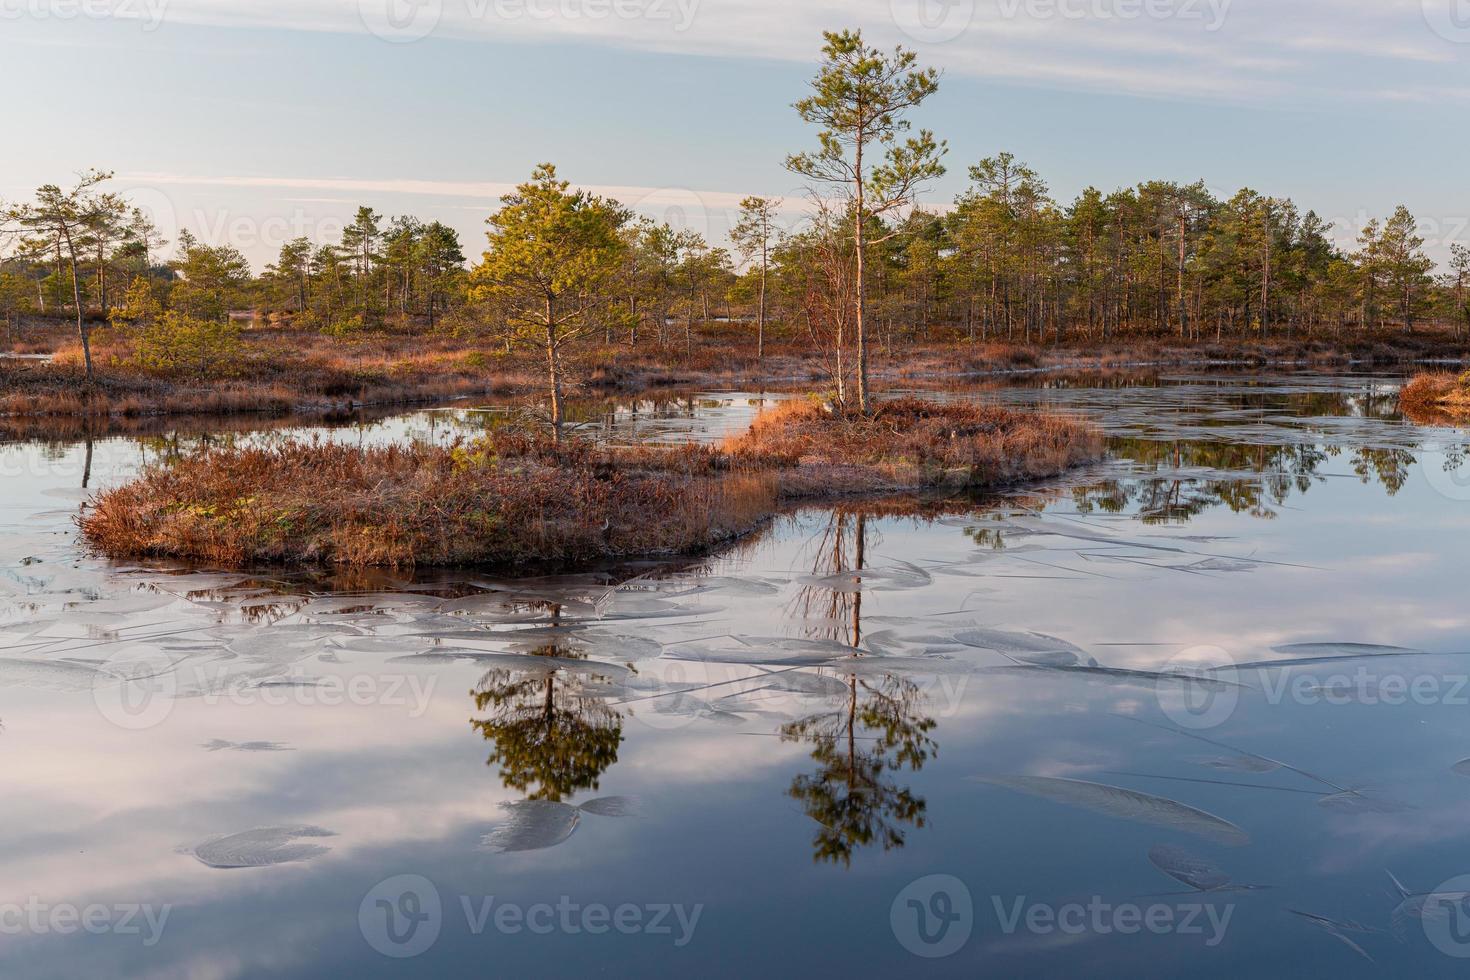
269,371
1437,398
516,498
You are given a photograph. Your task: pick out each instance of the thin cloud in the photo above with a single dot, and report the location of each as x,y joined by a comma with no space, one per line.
488,190
1217,50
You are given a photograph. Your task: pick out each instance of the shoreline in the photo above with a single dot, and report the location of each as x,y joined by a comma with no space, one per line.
37,391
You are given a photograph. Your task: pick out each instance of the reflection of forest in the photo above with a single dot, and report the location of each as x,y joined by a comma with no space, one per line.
1254,479
875,732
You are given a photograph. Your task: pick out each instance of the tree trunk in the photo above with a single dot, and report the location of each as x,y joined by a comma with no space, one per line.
553,364
102,277
862,302
1183,312
1266,271
760,321
76,294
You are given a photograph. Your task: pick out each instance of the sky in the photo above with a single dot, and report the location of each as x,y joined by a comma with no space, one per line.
250,122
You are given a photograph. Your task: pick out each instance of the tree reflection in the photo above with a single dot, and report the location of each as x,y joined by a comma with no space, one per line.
836,613
553,731
853,794
878,732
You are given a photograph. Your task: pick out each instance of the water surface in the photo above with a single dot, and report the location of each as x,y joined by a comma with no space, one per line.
1011,731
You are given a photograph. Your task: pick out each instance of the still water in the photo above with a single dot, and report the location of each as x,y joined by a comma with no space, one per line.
1202,708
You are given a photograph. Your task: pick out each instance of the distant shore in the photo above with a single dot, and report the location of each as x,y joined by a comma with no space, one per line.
279,371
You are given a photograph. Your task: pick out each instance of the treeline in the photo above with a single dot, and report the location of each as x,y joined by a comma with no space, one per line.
82,249
1010,262
1006,262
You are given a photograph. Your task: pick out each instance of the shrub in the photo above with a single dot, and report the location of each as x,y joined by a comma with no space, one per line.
177,345
346,326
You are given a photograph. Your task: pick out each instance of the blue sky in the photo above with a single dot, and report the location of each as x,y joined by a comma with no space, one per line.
250,121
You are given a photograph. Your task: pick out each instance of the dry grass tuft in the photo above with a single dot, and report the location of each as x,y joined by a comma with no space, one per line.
502,501
910,443
1438,398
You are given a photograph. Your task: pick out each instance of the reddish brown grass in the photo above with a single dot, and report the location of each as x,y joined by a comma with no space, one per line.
910,443
502,501
1437,398
515,497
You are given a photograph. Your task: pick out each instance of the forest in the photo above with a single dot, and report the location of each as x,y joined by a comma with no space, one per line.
1004,261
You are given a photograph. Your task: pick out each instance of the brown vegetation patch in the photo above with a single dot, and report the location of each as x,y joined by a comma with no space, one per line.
275,373
1437,398
513,497
281,369
497,501
911,443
